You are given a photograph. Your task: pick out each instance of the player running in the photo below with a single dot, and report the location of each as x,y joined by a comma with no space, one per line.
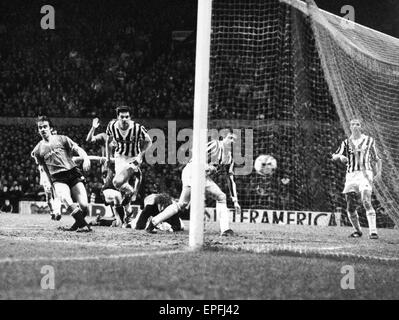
360,154
112,196
54,153
220,161
132,141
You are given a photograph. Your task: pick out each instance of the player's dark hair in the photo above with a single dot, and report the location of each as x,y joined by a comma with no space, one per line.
44,118
121,109
226,132
163,200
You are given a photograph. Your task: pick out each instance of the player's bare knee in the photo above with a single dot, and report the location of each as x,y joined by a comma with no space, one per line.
117,182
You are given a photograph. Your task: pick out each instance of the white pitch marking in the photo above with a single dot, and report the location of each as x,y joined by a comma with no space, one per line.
99,257
68,242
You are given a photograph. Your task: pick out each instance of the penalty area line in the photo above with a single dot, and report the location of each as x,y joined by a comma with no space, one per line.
93,257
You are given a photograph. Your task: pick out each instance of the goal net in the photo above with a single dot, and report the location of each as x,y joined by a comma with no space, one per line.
291,80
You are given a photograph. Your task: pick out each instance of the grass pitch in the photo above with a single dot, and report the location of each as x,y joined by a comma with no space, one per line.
261,262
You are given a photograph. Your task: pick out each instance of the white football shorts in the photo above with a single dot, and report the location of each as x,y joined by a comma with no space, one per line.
358,181
186,177
122,164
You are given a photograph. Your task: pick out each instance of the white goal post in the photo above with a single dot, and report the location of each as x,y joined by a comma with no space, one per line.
196,237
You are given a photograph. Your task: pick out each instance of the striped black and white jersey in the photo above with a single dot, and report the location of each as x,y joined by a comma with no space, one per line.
222,162
129,141
219,158
361,153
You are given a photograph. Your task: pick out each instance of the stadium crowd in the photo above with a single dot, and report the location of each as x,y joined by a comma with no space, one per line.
91,62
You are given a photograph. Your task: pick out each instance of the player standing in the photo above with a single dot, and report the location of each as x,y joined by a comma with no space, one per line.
359,153
54,153
220,161
132,141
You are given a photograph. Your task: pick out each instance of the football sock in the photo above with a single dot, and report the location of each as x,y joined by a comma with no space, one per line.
354,219
77,214
72,208
372,220
85,211
120,212
56,204
223,212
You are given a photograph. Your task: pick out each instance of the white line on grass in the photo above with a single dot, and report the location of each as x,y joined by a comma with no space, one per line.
307,252
68,242
94,257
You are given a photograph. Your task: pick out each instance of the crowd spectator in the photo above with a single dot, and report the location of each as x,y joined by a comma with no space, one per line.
6,207
91,62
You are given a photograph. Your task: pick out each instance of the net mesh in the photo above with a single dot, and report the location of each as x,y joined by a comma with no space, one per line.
271,72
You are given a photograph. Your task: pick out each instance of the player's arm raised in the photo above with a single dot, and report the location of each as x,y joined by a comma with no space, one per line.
94,126
108,145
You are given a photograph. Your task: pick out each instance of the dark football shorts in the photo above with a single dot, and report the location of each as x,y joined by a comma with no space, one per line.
70,177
